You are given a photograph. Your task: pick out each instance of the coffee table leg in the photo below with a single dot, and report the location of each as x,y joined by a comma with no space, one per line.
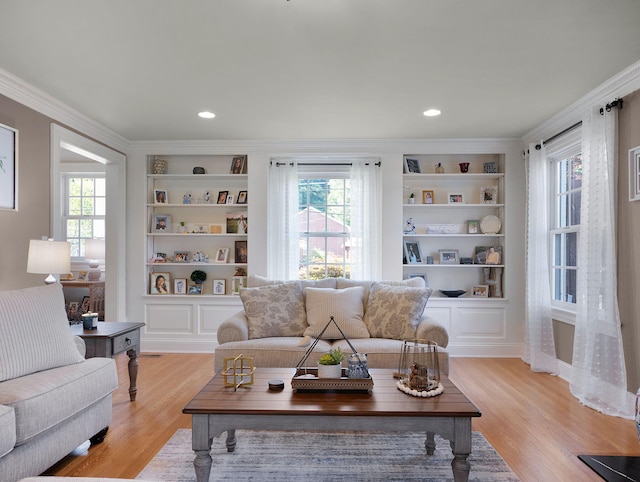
133,374
430,443
461,448
231,440
201,444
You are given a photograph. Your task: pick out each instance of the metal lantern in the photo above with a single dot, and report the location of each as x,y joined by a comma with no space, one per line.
419,369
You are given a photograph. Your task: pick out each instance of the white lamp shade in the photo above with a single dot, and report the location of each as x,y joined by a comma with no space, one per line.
49,257
94,249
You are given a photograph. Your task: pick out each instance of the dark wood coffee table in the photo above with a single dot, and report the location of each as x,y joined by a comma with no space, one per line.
218,409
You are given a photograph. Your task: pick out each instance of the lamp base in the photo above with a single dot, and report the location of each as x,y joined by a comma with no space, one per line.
94,275
50,280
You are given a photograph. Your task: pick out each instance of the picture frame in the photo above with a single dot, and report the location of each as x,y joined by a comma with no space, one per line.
634,174
489,195
480,291
238,165
82,275
73,311
412,165
216,228
490,167
85,306
428,197
412,252
455,198
219,286
449,256
160,196
229,199
241,254
195,289
161,223
222,255
180,286
8,168
222,197
473,226
159,283
488,255
237,223
242,197
181,256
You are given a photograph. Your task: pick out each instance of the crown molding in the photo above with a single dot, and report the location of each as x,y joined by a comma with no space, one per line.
30,96
622,84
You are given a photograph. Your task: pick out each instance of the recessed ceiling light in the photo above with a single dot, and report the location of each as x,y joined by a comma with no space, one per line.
432,112
206,114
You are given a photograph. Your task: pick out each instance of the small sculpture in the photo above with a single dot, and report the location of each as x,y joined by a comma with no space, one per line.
207,197
409,227
186,199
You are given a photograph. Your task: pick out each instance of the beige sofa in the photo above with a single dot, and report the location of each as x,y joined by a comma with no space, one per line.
51,398
281,319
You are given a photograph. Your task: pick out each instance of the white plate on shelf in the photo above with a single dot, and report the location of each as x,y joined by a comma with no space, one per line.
490,224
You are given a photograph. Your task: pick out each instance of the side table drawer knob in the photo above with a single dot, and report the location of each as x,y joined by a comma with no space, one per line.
127,341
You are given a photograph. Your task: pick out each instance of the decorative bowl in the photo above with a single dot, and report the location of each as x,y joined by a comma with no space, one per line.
452,293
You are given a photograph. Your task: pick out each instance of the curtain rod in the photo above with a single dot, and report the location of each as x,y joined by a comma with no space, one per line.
278,164
615,103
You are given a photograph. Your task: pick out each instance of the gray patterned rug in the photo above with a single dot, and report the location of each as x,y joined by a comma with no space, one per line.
325,456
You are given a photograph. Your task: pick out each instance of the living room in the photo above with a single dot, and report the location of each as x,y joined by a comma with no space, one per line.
32,106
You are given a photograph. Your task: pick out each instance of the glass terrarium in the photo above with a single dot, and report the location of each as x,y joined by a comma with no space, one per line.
419,370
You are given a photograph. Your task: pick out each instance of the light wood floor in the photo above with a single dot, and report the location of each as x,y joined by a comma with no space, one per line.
531,419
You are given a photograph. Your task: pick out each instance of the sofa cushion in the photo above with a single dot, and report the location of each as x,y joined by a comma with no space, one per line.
34,331
395,311
274,310
344,305
7,429
43,400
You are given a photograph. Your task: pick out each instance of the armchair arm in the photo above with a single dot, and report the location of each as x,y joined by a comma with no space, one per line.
80,345
235,328
429,329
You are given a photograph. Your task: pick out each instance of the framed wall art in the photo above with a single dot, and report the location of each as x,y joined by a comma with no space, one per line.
8,168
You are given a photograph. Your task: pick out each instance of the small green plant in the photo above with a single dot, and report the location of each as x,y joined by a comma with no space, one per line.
198,276
334,357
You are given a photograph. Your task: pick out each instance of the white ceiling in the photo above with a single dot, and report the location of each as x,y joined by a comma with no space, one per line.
304,69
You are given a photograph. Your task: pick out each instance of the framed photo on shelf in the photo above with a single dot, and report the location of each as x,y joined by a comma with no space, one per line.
480,291
219,286
181,256
195,289
237,223
428,197
222,255
222,197
412,252
455,198
161,223
449,256
180,286
159,283
242,197
490,167
411,165
8,168
216,228
487,255
489,195
229,199
473,226
240,252
82,275
160,196
238,165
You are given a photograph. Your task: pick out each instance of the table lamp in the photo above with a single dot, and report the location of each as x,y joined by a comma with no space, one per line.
47,257
94,252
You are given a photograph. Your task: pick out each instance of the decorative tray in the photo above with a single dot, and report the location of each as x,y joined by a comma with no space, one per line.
302,382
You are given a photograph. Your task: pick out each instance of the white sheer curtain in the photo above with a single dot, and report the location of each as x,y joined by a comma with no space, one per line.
283,248
598,376
539,346
365,253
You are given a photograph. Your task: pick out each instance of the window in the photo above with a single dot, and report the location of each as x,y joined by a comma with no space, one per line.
324,220
565,227
85,209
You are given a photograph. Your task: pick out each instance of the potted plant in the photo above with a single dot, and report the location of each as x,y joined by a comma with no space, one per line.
330,364
412,198
198,277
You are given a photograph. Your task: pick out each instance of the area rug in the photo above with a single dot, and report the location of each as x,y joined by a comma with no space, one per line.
325,456
614,468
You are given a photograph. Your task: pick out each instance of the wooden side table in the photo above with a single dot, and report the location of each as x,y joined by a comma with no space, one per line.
111,339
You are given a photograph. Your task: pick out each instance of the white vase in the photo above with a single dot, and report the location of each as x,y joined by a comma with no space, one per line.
329,371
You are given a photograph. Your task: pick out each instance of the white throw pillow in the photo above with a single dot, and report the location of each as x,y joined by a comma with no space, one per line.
34,332
395,311
274,310
344,305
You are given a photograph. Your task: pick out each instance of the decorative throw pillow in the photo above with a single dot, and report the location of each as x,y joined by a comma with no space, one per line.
34,332
274,310
344,305
342,283
395,311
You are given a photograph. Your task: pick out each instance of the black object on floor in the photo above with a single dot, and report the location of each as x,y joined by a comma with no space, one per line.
614,468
